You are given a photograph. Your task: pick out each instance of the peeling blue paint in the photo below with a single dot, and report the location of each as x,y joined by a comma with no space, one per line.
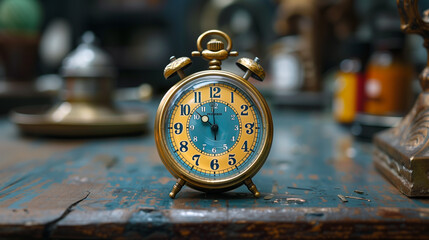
307,153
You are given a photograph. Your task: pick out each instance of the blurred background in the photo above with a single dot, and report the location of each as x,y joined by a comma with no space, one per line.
348,58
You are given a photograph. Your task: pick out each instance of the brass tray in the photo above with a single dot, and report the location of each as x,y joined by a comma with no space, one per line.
39,120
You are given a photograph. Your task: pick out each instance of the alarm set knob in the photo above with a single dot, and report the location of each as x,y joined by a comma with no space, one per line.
176,66
251,68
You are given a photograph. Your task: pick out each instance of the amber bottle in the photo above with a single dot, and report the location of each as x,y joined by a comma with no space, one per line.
389,77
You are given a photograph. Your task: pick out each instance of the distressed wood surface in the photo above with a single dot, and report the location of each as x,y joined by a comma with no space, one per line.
117,187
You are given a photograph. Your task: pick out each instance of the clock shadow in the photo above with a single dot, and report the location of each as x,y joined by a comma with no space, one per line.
231,195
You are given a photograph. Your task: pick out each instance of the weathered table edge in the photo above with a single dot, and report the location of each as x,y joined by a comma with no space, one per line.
294,222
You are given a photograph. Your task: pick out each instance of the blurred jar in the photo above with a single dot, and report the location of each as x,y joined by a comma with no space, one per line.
389,79
20,22
286,66
345,103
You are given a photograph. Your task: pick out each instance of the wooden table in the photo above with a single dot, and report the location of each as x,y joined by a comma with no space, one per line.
118,187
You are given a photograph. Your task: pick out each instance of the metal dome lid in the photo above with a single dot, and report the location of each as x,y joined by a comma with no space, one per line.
88,60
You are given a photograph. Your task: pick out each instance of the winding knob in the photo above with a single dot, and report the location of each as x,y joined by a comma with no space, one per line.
215,45
215,52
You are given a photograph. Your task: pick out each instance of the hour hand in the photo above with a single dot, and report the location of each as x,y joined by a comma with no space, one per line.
215,128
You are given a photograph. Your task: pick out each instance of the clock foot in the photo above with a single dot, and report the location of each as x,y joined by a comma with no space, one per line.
176,188
252,187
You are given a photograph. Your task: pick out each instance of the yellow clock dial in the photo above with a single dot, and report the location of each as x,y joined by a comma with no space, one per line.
214,129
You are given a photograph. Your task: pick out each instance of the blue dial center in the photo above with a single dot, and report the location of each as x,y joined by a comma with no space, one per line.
214,127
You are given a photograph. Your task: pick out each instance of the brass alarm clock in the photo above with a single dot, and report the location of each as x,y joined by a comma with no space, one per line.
213,129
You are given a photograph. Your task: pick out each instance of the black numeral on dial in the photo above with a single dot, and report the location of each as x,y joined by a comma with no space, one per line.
197,97
232,160
249,127
244,147
244,109
178,128
214,164
185,109
214,92
196,158
183,146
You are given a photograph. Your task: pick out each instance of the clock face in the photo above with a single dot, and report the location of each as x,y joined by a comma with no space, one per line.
214,129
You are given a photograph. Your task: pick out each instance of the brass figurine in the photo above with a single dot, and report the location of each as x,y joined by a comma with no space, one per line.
402,153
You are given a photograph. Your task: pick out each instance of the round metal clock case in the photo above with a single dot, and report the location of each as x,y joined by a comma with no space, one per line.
213,129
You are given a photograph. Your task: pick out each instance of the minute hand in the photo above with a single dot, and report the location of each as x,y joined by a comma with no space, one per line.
213,113
214,127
